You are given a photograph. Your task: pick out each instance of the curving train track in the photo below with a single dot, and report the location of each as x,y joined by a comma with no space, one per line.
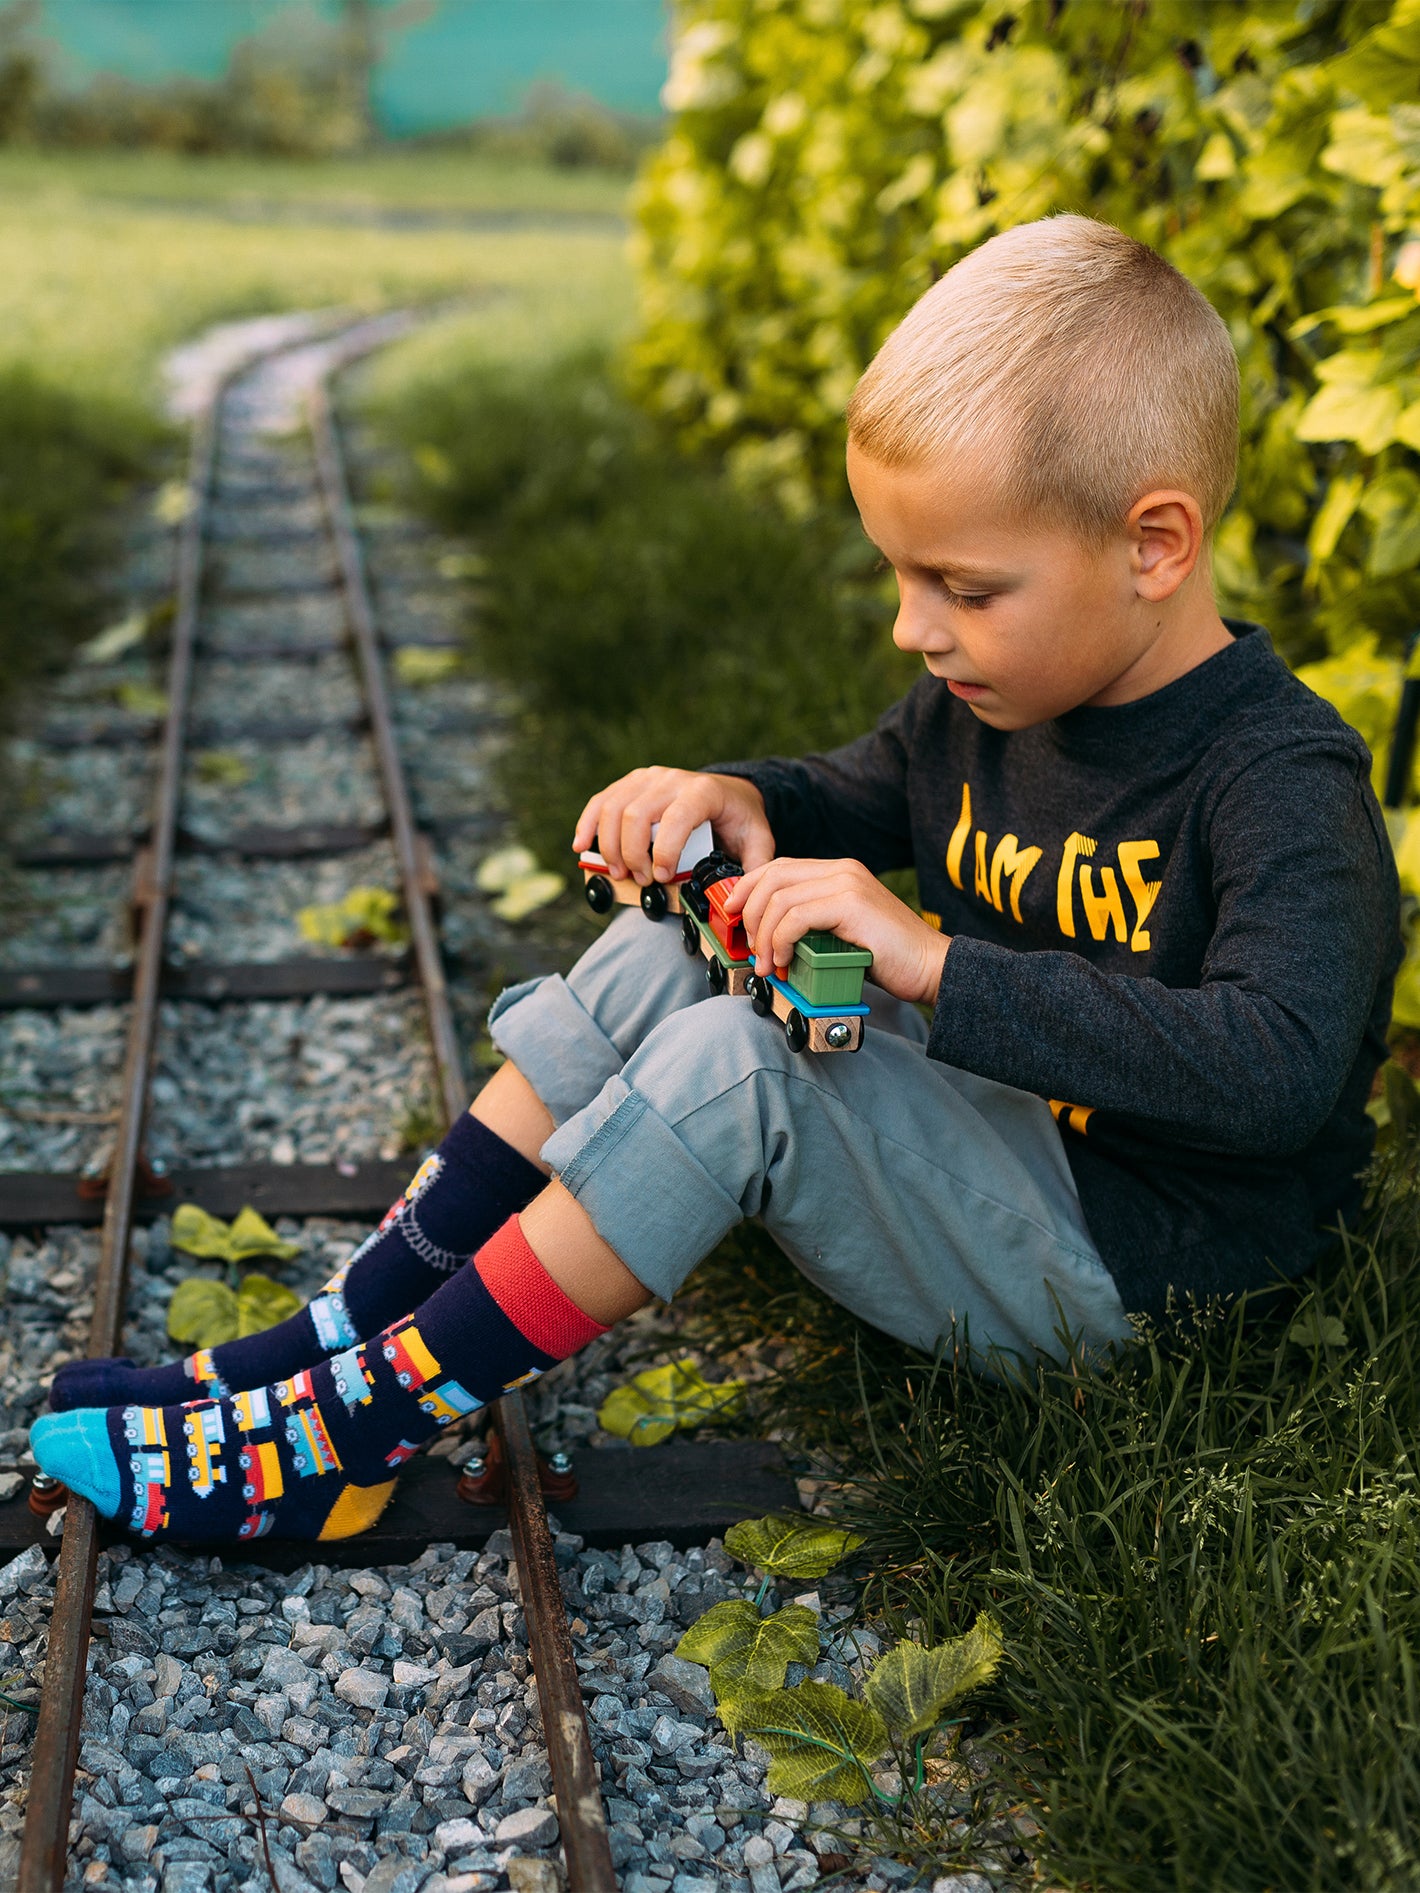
291,501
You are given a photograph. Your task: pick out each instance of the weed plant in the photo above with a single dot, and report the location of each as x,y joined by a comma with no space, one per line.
1204,1554
642,609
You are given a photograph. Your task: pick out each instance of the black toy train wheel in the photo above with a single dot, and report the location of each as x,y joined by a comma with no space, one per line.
715,976
689,935
761,995
599,895
796,1030
654,904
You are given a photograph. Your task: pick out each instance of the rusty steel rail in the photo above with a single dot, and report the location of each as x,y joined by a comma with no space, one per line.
56,1747
581,1816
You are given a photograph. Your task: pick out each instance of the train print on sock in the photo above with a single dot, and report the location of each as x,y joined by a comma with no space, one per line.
411,1360
205,1435
817,998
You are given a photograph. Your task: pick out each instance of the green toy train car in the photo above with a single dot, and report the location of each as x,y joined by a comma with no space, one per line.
818,997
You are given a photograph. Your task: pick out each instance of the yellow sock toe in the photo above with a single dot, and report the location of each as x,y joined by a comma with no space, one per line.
356,1509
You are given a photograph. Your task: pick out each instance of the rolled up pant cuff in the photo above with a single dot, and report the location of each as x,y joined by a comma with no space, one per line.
546,1031
674,1213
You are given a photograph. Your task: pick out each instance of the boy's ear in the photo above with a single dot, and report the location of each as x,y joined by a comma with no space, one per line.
1166,541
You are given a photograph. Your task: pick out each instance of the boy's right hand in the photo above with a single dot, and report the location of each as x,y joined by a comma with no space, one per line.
617,821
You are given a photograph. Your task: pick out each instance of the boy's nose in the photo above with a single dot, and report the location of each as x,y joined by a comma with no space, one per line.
916,630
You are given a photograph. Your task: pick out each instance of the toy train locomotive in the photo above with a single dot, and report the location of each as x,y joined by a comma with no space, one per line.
605,890
818,997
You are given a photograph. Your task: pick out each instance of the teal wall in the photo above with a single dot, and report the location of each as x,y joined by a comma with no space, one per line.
468,57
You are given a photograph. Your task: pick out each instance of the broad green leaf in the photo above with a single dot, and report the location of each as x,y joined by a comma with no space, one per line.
417,664
912,1687
252,1235
117,638
1312,1329
222,767
747,1654
141,699
1392,504
823,1744
262,1303
1345,411
649,1408
173,502
357,919
202,1313
197,1233
790,1547
498,871
1334,514
528,893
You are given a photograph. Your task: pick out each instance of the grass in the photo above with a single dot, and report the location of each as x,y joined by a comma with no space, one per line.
1204,1554
416,179
642,609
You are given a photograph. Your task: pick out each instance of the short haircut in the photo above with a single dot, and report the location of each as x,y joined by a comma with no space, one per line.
1072,361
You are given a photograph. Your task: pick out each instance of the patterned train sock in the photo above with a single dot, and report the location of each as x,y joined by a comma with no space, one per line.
456,1199
315,1456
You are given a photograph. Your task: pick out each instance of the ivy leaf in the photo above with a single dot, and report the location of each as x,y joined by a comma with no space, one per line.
1344,411
252,1235
649,1408
822,1743
203,1313
262,1303
249,1235
418,664
357,919
790,1547
1312,1329
1392,504
911,1686
746,1654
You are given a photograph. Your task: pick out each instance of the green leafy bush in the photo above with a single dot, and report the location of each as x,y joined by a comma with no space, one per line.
830,158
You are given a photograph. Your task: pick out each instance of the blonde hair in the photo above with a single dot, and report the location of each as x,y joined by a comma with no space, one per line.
1075,363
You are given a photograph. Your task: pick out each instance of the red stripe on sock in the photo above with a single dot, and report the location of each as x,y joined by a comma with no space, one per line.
529,1297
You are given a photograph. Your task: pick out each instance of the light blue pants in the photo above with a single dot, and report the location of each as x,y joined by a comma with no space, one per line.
915,1194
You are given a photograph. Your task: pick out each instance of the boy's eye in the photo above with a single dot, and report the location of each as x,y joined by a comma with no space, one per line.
967,601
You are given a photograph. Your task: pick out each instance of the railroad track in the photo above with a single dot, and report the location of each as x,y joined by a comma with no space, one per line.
298,503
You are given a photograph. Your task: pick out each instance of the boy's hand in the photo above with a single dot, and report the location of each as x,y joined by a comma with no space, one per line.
618,821
786,899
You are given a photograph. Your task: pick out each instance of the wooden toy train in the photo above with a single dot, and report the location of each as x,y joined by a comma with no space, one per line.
605,891
818,997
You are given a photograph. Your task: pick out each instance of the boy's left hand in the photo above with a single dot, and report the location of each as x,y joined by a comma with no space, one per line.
785,899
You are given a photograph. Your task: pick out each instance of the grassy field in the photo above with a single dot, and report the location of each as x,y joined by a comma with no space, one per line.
106,262
95,284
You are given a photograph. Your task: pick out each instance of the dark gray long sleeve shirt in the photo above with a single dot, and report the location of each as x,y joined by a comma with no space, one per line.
1176,919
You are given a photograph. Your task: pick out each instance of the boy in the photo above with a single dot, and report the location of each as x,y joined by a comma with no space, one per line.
1160,935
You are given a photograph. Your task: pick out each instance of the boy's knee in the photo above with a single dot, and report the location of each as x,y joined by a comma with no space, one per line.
706,1050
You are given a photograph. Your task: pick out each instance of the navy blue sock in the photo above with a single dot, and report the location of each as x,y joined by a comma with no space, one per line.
454,1202
316,1455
